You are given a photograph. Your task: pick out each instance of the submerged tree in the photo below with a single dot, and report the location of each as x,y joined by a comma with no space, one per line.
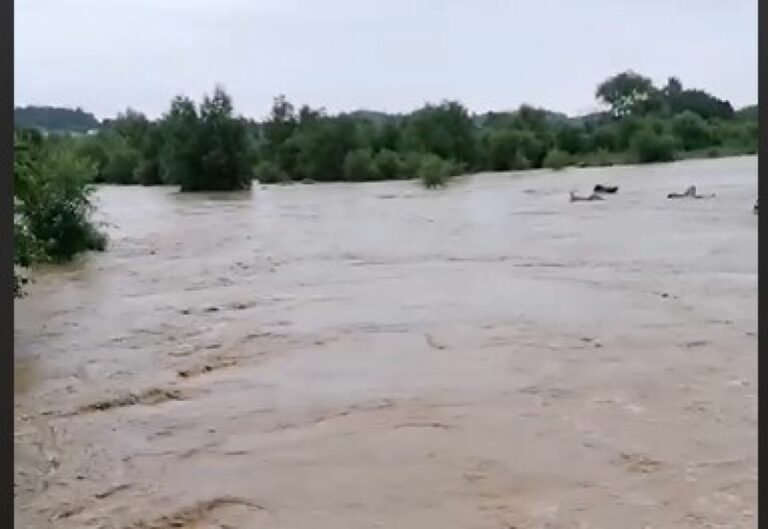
206,148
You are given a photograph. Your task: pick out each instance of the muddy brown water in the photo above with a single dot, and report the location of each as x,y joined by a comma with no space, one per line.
378,355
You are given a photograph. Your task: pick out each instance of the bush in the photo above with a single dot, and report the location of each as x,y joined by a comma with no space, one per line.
93,149
58,212
714,152
692,131
147,173
600,158
520,162
267,172
359,166
556,159
605,138
650,147
389,164
434,171
411,164
121,166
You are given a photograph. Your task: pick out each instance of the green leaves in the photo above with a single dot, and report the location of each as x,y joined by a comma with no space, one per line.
52,206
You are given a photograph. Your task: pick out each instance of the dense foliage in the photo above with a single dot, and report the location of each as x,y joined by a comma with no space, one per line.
207,147
52,204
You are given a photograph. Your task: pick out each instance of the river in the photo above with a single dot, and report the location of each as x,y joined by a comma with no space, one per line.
373,355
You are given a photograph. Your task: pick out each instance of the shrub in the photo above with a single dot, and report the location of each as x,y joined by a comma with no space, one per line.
267,172
57,212
692,131
147,173
714,152
556,159
411,164
650,147
93,149
600,158
434,171
121,166
520,162
359,166
389,164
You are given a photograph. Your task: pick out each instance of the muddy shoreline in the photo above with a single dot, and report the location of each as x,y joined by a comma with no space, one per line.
378,355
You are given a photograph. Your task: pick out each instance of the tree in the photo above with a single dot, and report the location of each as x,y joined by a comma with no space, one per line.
388,164
206,148
178,157
317,148
605,137
268,172
359,165
692,131
700,102
508,148
556,159
148,171
445,130
223,147
121,165
624,91
649,146
131,125
570,139
673,87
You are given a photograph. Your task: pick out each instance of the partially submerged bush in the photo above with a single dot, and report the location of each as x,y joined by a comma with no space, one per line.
599,158
556,159
58,212
206,148
52,208
267,172
435,172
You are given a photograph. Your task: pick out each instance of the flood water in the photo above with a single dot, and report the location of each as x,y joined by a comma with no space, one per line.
382,356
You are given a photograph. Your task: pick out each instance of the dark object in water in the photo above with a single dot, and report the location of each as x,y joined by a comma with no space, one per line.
590,198
600,188
689,193
754,209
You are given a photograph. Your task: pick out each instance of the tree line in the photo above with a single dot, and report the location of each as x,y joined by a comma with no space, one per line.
206,146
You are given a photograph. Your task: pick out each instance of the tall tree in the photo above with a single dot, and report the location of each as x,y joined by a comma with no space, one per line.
624,91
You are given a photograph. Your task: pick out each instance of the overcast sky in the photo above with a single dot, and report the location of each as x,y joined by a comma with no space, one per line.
392,55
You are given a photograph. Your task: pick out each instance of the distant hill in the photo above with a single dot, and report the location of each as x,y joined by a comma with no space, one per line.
54,119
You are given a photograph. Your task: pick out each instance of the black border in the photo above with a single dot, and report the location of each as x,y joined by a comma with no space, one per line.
6,248
762,268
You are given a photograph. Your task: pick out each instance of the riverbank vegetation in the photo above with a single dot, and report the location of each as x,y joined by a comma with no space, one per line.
208,147
52,205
